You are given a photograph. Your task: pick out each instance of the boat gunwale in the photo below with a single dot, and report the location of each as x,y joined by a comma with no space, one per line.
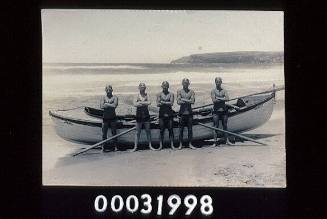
128,124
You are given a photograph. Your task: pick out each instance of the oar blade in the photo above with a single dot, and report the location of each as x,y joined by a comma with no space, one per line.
232,133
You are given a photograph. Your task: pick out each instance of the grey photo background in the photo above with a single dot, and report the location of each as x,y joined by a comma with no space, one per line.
150,36
83,50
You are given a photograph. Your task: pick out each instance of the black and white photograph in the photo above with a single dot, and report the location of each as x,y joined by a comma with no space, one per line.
177,98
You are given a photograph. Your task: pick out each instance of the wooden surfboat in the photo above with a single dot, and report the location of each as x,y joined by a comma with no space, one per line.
84,125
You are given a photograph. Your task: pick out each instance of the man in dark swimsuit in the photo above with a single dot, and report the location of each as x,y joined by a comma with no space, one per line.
141,102
109,103
165,100
220,111
185,98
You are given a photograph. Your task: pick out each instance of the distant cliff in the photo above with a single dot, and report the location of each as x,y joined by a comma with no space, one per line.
252,57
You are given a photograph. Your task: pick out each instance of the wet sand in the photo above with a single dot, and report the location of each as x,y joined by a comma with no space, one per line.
244,164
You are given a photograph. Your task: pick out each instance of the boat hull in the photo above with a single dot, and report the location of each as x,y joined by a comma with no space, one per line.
90,132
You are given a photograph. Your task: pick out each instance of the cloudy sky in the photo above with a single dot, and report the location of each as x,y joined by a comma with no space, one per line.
146,36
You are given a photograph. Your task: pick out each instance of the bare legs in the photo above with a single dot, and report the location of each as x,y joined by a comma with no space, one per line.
216,125
148,134
171,133
186,120
105,126
169,122
138,133
166,122
224,119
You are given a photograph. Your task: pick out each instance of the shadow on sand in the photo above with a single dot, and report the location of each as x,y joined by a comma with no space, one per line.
96,154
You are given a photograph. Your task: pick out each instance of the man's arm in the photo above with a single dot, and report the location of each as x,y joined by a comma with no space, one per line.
170,102
135,102
158,100
102,103
213,96
172,98
114,104
192,100
220,99
179,98
146,102
138,103
226,96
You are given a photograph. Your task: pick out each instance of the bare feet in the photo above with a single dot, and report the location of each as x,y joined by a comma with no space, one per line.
180,146
154,149
133,150
172,145
191,146
160,146
215,144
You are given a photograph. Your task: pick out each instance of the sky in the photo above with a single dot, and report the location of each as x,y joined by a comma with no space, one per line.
152,36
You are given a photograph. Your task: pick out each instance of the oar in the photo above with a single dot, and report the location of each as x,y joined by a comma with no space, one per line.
263,92
104,141
231,133
235,98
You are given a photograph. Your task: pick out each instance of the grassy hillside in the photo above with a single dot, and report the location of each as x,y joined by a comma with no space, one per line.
233,57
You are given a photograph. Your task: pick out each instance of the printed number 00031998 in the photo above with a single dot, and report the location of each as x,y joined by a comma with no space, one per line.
173,201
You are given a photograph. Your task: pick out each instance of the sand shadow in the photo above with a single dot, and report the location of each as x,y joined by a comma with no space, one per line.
93,155
260,136
96,154
235,140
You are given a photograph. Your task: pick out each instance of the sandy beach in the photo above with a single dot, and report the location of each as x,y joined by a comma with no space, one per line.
244,164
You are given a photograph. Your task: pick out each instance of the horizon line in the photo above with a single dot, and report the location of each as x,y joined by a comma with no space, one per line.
47,62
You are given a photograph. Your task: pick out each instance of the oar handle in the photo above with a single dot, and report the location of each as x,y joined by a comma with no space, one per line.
104,141
235,98
231,133
263,92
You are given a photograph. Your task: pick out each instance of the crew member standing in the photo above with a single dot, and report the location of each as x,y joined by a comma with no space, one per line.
109,103
141,102
185,98
165,101
220,111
